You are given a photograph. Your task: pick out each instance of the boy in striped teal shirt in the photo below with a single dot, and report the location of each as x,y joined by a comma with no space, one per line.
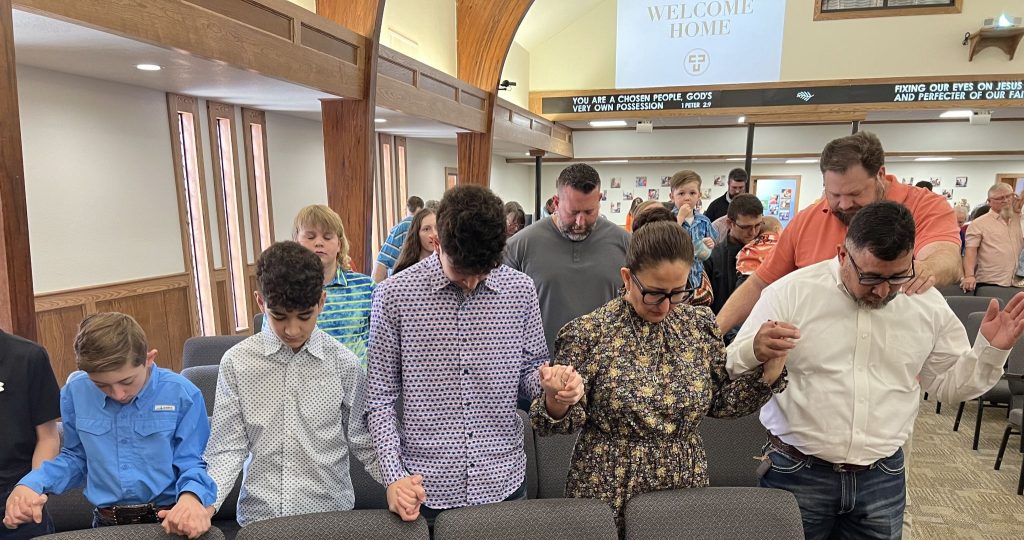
346,312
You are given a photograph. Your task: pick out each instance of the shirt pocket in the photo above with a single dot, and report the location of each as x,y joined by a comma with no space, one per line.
153,438
94,432
161,427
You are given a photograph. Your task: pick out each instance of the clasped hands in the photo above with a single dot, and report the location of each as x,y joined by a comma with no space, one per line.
772,344
187,518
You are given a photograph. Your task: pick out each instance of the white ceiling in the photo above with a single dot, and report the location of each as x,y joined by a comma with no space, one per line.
549,17
69,48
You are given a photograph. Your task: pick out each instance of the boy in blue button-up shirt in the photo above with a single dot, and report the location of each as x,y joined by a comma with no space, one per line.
134,434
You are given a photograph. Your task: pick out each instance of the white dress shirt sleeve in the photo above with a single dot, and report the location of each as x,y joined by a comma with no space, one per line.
228,447
772,306
957,372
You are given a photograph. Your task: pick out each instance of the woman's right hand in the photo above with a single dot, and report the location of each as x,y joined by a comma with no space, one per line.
967,284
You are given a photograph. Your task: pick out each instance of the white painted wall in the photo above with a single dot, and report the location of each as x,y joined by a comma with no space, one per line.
99,181
295,149
427,161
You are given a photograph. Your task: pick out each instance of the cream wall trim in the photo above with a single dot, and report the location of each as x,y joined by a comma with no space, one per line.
422,29
99,181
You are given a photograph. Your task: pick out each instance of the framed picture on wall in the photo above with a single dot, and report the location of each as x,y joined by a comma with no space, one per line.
780,195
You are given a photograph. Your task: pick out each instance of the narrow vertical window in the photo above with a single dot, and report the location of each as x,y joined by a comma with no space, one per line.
258,170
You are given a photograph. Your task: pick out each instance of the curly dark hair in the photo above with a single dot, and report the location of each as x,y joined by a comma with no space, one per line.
885,228
290,277
471,228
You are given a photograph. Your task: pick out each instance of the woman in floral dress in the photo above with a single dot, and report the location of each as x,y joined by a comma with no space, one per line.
654,367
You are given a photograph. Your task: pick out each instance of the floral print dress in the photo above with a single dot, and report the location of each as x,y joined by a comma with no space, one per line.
648,385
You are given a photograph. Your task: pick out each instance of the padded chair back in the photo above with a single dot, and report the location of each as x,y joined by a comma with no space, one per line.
564,519
530,446
954,290
963,306
70,510
973,325
207,350
350,525
257,323
205,378
714,514
229,510
554,454
1004,294
731,444
370,494
1015,364
151,531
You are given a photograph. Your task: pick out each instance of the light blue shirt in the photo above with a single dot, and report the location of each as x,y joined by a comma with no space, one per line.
147,451
392,247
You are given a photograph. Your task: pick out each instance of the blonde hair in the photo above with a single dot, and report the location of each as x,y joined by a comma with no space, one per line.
643,206
321,217
108,341
684,177
771,224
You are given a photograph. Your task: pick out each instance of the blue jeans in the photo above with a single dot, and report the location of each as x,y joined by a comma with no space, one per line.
28,530
863,504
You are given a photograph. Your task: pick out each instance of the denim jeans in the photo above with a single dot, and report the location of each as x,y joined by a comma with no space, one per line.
28,530
863,504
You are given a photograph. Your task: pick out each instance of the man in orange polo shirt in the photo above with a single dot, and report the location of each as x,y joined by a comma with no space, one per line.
853,168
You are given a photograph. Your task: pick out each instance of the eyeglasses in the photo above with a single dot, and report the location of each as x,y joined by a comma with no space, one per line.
1001,198
878,280
653,298
748,228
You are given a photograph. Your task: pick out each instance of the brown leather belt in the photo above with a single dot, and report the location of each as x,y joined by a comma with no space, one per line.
797,455
129,514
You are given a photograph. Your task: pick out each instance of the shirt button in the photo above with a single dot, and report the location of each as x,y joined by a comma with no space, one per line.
124,441
124,467
465,372
864,335
471,434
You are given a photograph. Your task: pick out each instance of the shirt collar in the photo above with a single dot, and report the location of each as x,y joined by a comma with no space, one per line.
273,344
339,278
437,280
144,394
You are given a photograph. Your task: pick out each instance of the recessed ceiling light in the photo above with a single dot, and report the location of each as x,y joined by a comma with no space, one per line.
741,119
959,113
740,159
801,161
379,120
614,161
148,67
608,123
936,158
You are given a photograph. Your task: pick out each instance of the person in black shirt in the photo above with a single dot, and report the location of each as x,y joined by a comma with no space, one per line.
720,206
744,219
30,401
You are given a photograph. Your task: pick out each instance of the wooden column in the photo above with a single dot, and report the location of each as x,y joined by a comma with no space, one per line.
349,135
17,302
485,29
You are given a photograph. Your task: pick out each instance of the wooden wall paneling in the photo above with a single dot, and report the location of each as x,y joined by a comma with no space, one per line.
57,330
349,132
17,306
516,124
160,304
187,25
485,29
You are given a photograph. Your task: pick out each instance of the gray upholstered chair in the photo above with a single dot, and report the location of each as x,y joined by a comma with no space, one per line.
554,454
128,532
530,446
370,494
70,511
1015,382
257,322
997,396
205,378
1004,294
962,307
564,519
713,514
731,445
207,350
350,525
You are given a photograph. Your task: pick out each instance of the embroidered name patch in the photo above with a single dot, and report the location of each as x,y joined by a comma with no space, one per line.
163,407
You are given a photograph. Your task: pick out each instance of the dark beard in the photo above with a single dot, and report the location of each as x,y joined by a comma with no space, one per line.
845,217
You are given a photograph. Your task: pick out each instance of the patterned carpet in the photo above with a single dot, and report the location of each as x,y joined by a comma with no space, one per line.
954,491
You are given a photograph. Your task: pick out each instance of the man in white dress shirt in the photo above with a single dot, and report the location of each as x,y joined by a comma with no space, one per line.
858,353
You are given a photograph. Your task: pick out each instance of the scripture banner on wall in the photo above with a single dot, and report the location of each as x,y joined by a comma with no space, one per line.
697,42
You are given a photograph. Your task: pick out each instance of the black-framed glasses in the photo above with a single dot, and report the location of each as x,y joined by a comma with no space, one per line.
878,280
748,228
653,298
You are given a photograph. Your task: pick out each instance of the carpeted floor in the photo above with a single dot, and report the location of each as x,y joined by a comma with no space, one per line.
954,491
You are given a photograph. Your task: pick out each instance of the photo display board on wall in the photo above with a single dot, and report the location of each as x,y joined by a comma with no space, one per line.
780,195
